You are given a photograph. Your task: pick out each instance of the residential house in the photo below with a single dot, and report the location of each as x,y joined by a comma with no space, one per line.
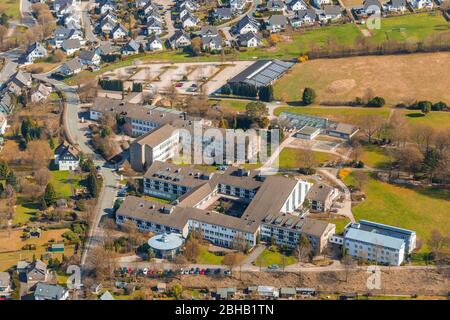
179,39
71,67
154,43
72,21
237,5
35,272
209,31
330,13
250,40
119,32
319,3
63,33
212,43
107,6
40,93
45,291
149,8
131,47
189,21
304,17
66,157
106,25
187,4
222,14
245,25
371,7
395,6
89,57
106,49
19,81
321,197
287,293
22,267
184,12
70,46
277,23
225,293
275,6
296,5
153,26
33,52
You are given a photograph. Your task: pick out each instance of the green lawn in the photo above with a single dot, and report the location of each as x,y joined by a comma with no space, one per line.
414,27
435,119
230,105
340,223
206,257
419,209
157,199
374,156
24,210
269,257
11,8
291,158
62,184
346,114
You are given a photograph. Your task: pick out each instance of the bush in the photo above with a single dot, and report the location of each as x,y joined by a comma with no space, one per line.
439,106
376,102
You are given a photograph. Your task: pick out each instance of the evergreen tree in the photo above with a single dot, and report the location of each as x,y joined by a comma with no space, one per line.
49,195
308,96
266,93
43,204
11,179
93,184
4,169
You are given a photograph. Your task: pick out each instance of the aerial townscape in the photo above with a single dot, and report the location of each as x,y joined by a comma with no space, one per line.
224,150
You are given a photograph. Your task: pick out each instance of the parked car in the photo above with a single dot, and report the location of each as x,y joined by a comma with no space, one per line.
179,84
273,267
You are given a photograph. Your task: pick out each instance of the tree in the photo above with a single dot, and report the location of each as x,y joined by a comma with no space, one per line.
4,169
232,260
376,102
40,154
93,185
308,159
42,176
303,252
425,106
191,248
49,195
309,96
371,125
196,46
11,179
177,291
348,262
439,106
223,124
266,93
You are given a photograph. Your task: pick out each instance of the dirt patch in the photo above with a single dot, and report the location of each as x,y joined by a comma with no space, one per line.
341,86
394,281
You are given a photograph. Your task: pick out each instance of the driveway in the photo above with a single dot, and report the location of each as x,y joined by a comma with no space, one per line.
87,22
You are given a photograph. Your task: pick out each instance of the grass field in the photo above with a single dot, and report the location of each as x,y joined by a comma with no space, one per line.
206,257
419,209
436,119
374,156
24,211
349,114
63,182
291,158
11,8
230,105
269,257
414,27
408,78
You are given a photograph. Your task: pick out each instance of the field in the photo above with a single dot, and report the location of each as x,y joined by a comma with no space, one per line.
397,78
290,158
64,182
419,209
414,27
11,245
206,257
11,8
230,105
374,156
269,257
436,119
344,114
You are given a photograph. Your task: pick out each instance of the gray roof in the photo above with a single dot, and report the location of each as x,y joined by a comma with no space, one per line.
278,19
224,12
398,3
73,64
87,55
263,72
332,10
209,31
49,291
4,279
71,44
156,137
320,192
369,3
107,296
311,13
131,45
374,238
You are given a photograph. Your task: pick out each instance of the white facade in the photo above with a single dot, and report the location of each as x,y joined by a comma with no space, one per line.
372,252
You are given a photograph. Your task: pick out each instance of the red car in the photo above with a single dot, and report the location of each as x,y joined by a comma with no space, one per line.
202,271
179,84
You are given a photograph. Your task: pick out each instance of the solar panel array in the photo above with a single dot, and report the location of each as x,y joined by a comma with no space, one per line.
300,120
272,72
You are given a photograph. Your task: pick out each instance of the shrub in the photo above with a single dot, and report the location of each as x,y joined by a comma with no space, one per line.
376,102
439,106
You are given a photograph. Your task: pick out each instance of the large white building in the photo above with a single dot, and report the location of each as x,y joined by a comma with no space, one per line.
378,242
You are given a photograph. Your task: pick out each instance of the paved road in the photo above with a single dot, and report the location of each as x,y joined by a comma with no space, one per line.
167,4
10,67
248,12
26,18
87,23
75,134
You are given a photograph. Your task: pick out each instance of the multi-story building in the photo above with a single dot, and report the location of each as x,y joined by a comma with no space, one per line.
373,241
198,205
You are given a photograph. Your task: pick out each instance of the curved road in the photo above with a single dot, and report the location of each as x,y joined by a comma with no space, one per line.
75,134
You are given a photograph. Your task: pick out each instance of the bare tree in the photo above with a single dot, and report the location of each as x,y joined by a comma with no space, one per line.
348,263
371,125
